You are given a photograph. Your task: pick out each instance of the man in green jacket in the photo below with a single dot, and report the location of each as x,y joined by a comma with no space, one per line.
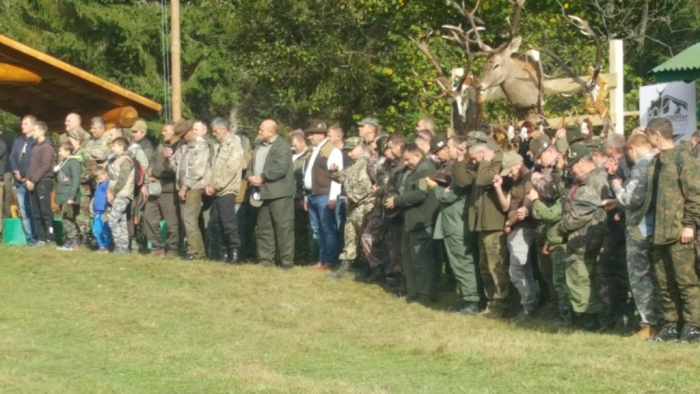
419,208
673,195
460,244
271,178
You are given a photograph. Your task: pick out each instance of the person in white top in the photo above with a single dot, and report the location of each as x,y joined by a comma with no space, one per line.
321,193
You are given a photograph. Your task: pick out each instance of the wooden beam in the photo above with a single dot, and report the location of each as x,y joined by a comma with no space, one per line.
557,122
36,103
46,64
551,87
15,74
124,116
75,102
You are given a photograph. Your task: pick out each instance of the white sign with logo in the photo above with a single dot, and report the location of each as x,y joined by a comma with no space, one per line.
674,101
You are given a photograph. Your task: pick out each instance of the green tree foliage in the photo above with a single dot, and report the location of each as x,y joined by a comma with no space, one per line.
343,59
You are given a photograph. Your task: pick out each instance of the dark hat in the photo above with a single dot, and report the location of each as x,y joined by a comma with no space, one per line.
539,145
374,122
317,126
439,141
574,134
576,152
442,178
382,143
485,128
182,126
595,145
510,160
351,143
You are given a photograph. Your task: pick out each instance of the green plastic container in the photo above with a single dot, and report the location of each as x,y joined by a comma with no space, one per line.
12,232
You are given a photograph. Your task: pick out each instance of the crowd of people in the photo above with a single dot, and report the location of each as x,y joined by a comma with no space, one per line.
594,233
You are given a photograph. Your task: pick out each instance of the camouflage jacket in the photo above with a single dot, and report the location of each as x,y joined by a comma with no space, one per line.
226,164
677,194
299,164
583,217
97,149
631,196
192,163
356,181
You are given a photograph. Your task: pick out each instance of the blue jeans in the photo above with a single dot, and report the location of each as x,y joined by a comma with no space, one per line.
340,216
25,208
324,227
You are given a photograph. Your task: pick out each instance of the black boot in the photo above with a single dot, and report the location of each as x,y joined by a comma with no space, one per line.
668,334
690,334
232,257
342,270
468,308
376,275
589,322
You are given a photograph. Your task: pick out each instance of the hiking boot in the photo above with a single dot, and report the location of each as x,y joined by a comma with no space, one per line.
341,271
491,313
690,334
565,318
647,331
589,322
376,275
668,334
468,309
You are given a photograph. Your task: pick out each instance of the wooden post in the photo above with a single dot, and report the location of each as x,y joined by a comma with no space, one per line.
617,93
175,56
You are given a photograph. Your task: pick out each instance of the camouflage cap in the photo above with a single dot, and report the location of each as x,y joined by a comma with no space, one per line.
139,125
576,152
438,142
539,145
510,160
373,121
352,142
574,134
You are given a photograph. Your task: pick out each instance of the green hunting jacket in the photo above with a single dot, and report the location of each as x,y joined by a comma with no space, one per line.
278,171
484,213
68,181
419,206
453,211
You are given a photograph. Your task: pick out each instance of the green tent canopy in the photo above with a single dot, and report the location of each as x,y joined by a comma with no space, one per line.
683,67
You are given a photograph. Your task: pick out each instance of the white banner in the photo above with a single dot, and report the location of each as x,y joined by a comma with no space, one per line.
674,101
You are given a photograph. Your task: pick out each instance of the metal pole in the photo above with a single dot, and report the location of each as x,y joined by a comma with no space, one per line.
175,59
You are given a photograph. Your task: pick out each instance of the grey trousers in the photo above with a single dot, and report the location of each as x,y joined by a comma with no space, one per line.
520,240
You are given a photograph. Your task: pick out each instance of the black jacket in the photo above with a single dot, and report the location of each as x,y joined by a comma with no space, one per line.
419,205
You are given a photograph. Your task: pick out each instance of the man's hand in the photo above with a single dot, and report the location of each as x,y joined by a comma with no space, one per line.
611,166
545,249
489,155
521,213
688,235
333,168
497,181
182,193
167,152
609,205
532,195
332,204
18,177
617,182
389,203
30,185
430,183
209,191
69,202
507,230
305,206
560,162
110,197
255,180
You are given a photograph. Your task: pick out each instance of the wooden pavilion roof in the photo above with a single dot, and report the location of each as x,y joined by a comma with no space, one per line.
32,82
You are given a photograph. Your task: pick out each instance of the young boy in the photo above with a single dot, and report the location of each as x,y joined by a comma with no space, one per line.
120,193
68,194
100,227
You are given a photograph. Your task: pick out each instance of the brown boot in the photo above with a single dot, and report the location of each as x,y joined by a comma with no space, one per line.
647,331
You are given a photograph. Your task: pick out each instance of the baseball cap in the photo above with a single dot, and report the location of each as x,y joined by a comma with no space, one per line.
351,143
438,142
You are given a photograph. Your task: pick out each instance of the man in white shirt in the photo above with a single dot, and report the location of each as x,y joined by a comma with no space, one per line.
321,193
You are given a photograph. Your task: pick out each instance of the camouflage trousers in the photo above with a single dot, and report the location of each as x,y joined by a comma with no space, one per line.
355,222
83,220
557,254
645,288
117,224
374,238
493,265
678,284
69,214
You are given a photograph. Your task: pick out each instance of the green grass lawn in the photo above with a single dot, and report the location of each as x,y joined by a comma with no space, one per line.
88,323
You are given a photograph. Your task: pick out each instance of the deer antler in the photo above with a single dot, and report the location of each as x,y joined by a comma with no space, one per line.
441,80
586,30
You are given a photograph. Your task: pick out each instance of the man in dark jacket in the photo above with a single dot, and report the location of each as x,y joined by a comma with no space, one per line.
271,178
419,208
40,185
19,163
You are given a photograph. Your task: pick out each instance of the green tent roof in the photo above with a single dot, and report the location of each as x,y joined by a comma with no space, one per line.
682,67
